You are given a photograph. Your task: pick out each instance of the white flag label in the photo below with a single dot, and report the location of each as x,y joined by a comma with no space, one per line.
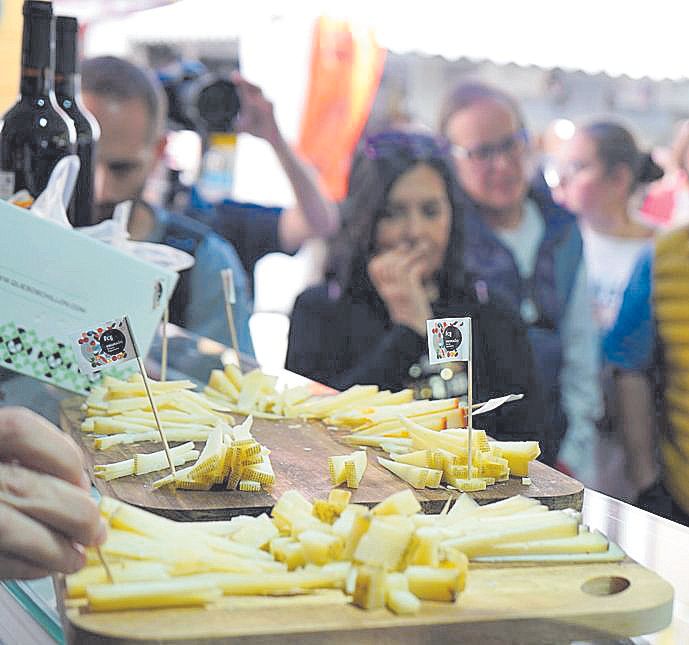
449,339
103,345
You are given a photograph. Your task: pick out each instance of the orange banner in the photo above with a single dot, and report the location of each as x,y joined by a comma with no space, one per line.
346,66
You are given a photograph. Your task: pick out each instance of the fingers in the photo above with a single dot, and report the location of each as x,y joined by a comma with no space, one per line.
391,257
46,512
416,271
249,94
13,568
23,541
399,264
243,85
376,269
35,442
417,254
383,272
52,503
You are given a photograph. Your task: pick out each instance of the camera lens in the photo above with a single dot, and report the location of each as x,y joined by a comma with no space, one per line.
217,104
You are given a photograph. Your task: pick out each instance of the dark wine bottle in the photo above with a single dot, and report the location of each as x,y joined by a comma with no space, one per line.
35,133
68,93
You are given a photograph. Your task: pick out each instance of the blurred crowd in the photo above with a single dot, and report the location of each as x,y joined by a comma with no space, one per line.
564,247
569,250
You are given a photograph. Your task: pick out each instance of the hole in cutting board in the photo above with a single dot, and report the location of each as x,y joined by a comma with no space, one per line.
605,585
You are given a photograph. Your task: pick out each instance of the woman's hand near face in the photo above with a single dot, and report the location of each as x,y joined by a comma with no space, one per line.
46,512
397,275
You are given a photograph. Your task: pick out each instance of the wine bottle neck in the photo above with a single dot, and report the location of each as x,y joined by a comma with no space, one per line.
67,85
38,50
36,81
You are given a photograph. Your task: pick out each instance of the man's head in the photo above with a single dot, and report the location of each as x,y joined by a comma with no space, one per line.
130,106
489,144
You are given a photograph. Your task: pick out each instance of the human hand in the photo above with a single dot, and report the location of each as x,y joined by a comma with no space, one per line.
46,512
397,275
256,115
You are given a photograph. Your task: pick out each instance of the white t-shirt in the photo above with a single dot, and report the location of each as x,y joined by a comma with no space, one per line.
609,263
580,387
524,240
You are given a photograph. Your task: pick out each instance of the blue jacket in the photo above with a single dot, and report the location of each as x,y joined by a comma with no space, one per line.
548,290
198,303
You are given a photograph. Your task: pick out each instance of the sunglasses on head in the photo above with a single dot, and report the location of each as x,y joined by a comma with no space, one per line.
412,145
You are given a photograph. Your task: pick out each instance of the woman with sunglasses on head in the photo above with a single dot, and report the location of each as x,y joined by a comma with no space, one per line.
528,251
600,171
396,263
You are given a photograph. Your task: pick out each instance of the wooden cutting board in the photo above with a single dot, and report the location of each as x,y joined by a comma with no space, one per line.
299,452
555,604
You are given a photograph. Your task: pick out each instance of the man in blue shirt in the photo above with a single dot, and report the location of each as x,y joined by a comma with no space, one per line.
130,106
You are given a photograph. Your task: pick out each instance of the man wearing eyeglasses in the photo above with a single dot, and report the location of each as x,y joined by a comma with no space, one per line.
528,252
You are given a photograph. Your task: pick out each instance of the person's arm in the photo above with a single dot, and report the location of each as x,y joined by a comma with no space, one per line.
205,311
320,346
46,511
314,214
629,347
579,376
637,422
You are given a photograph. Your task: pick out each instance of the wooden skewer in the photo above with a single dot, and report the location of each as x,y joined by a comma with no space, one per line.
163,358
470,394
108,573
154,408
447,504
233,329
230,299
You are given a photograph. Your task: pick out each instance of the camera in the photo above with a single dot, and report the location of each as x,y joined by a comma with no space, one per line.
199,99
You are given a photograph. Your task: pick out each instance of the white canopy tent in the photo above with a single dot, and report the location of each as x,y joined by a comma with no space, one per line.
615,37
611,36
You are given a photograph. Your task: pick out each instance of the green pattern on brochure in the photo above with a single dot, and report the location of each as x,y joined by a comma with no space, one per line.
48,359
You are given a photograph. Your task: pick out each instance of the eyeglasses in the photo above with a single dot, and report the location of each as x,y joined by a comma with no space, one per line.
559,175
415,145
512,145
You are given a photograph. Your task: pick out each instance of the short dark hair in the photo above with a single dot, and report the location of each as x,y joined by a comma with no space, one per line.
467,93
377,165
121,80
615,146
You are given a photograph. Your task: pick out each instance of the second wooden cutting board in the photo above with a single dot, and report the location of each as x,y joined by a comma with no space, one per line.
299,453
